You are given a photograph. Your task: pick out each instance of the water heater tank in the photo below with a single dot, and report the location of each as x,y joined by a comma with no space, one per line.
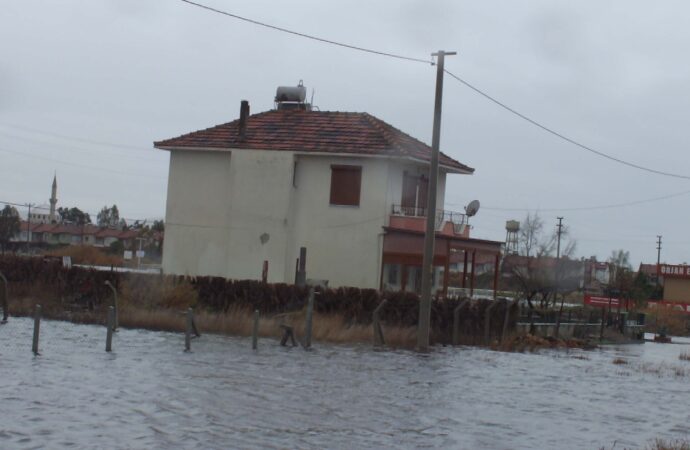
291,94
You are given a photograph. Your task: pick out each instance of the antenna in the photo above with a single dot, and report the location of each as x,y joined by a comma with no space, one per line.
472,208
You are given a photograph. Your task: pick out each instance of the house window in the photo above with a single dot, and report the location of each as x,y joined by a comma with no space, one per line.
346,183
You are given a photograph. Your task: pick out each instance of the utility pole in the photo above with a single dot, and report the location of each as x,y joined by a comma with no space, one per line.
428,259
559,232
658,257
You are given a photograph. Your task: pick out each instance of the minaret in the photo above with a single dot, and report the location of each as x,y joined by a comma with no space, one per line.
53,200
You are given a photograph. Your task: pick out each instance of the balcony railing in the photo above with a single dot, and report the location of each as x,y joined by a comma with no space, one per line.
459,220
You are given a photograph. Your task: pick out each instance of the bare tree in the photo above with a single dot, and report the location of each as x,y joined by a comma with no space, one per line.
535,274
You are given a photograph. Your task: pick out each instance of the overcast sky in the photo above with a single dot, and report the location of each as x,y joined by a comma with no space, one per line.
86,87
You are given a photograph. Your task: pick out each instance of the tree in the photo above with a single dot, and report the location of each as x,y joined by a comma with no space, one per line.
535,274
74,215
9,225
158,225
619,262
108,217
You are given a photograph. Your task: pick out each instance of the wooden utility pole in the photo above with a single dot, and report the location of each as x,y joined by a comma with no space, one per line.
428,260
658,257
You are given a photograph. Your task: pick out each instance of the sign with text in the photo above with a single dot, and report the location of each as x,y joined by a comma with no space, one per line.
671,271
592,300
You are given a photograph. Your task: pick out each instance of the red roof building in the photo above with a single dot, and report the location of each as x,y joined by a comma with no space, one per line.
349,187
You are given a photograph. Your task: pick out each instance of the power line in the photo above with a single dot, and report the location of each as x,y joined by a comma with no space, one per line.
83,166
308,36
74,138
72,148
587,208
467,84
562,136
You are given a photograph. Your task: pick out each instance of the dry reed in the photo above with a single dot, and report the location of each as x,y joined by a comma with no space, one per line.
684,356
620,361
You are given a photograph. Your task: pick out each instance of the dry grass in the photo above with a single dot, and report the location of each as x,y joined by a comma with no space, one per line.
619,361
662,444
676,322
85,254
684,356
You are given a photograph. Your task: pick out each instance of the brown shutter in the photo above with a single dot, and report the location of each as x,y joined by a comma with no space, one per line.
346,182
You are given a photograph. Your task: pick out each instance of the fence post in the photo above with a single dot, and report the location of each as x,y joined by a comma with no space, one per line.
378,331
506,320
308,321
116,319
456,321
188,331
487,323
109,325
255,331
603,318
37,326
4,298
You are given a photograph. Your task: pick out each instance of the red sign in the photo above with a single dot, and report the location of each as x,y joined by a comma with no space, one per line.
601,301
667,270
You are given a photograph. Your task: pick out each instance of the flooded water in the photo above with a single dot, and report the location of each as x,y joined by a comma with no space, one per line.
148,393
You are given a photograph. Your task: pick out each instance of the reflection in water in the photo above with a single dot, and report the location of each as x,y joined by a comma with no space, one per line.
150,394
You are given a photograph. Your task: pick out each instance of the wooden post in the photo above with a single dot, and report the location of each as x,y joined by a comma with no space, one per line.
487,323
255,330
446,270
456,321
302,271
474,258
4,298
116,320
496,272
37,327
264,272
308,321
378,331
110,323
188,331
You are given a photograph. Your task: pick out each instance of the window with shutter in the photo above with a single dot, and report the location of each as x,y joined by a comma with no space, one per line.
346,182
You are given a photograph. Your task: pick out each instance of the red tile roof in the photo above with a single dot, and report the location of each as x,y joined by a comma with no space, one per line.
315,132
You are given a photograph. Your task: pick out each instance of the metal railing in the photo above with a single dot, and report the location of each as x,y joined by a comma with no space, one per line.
458,219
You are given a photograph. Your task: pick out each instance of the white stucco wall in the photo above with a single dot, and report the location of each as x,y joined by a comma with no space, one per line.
219,204
343,242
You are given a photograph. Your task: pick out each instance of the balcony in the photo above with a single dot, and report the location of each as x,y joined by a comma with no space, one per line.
451,223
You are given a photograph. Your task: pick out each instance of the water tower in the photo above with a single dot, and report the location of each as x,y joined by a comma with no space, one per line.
512,229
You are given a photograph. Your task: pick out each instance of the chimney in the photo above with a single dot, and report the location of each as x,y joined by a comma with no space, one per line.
244,114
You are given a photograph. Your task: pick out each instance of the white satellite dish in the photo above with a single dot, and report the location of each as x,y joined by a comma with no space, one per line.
472,208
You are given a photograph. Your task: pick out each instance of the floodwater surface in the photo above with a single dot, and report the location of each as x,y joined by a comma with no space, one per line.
149,393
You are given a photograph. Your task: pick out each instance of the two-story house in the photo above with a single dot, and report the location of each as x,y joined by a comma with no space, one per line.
348,187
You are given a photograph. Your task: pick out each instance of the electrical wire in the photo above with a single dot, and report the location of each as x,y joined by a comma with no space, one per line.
593,208
562,136
83,166
72,148
74,138
308,36
465,83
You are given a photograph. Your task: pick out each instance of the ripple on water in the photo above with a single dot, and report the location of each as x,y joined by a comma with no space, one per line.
150,394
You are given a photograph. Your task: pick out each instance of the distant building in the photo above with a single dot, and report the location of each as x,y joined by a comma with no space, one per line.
46,213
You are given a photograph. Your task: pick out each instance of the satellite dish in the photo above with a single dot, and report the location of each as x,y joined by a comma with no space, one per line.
472,208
